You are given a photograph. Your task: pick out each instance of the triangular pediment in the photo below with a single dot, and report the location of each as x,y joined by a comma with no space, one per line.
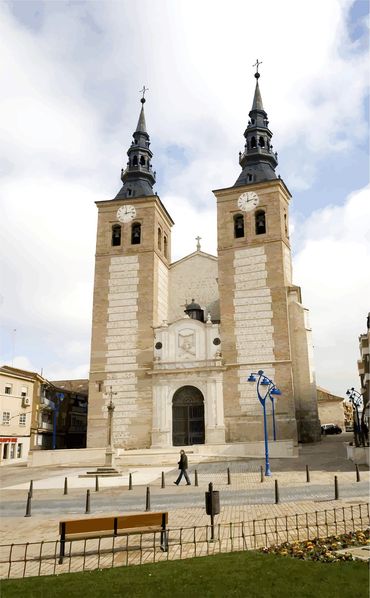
196,255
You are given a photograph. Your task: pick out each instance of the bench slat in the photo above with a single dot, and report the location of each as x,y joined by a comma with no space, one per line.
142,520
80,526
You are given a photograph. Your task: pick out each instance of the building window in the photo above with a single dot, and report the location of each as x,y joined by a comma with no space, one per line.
286,224
142,161
12,450
6,418
22,419
23,392
135,161
116,235
250,178
238,226
253,142
260,218
136,233
261,142
8,389
6,451
159,238
19,450
165,245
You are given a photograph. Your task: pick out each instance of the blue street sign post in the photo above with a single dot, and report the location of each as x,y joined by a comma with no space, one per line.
271,391
57,404
357,401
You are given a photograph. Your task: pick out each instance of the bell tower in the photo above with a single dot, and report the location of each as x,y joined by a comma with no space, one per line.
133,253
263,324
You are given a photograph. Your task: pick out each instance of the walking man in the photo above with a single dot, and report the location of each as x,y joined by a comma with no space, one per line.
183,465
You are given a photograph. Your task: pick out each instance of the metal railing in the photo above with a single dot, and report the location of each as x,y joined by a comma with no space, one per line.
42,558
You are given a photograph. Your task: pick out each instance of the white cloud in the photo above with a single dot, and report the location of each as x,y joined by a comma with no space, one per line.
332,268
69,105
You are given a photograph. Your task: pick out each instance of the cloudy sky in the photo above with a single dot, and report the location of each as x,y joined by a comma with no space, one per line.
70,79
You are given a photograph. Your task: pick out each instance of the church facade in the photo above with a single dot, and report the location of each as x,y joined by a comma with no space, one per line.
173,343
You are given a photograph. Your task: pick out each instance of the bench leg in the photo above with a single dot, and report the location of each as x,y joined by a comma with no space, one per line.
164,541
62,531
62,551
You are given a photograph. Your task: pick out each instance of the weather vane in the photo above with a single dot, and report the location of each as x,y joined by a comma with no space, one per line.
143,91
257,63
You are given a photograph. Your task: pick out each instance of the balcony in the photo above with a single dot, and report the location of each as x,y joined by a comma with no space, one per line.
45,426
47,403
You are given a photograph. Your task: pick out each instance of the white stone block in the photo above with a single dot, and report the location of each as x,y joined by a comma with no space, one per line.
122,322
124,259
127,311
120,368
122,284
121,352
249,251
253,307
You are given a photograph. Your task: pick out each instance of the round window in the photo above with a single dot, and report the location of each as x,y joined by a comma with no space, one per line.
158,345
217,341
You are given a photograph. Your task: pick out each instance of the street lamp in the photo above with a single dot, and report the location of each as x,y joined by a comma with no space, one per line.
109,451
57,404
357,401
272,391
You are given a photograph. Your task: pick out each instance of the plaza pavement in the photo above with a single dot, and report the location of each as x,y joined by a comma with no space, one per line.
239,501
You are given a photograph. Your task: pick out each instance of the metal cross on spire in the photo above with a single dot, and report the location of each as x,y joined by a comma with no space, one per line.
143,92
257,63
198,238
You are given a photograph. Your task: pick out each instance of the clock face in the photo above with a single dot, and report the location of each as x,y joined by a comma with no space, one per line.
126,213
248,201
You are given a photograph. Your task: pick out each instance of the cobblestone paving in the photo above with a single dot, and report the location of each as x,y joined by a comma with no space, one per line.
244,500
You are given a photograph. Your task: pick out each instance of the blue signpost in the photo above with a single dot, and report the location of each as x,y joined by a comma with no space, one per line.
57,404
357,401
271,391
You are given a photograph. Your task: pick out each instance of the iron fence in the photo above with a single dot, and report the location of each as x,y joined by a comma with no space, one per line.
42,558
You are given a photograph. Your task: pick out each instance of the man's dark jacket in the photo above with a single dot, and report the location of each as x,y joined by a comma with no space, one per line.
183,463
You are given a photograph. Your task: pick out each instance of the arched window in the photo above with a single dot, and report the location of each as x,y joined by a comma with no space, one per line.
165,245
136,233
116,235
135,161
286,224
142,161
250,177
238,226
159,238
261,142
260,219
253,142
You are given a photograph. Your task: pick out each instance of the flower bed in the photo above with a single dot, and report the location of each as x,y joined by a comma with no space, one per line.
322,549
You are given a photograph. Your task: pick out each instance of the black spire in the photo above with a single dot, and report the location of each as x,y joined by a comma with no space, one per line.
258,161
138,178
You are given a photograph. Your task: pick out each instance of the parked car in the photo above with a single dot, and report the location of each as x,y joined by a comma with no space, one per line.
330,429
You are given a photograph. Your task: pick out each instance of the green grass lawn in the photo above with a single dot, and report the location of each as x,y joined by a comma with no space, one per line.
246,574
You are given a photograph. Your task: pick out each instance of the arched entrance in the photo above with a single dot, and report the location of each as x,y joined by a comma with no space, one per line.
187,416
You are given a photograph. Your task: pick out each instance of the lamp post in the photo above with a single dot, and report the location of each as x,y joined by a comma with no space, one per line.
357,401
109,452
271,389
59,397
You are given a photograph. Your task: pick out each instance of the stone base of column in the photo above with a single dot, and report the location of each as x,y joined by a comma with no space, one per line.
215,435
309,429
160,439
110,458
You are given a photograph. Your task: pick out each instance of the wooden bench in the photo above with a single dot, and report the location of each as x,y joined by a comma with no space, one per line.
143,523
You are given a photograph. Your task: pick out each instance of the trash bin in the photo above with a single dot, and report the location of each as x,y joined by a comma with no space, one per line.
213,502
